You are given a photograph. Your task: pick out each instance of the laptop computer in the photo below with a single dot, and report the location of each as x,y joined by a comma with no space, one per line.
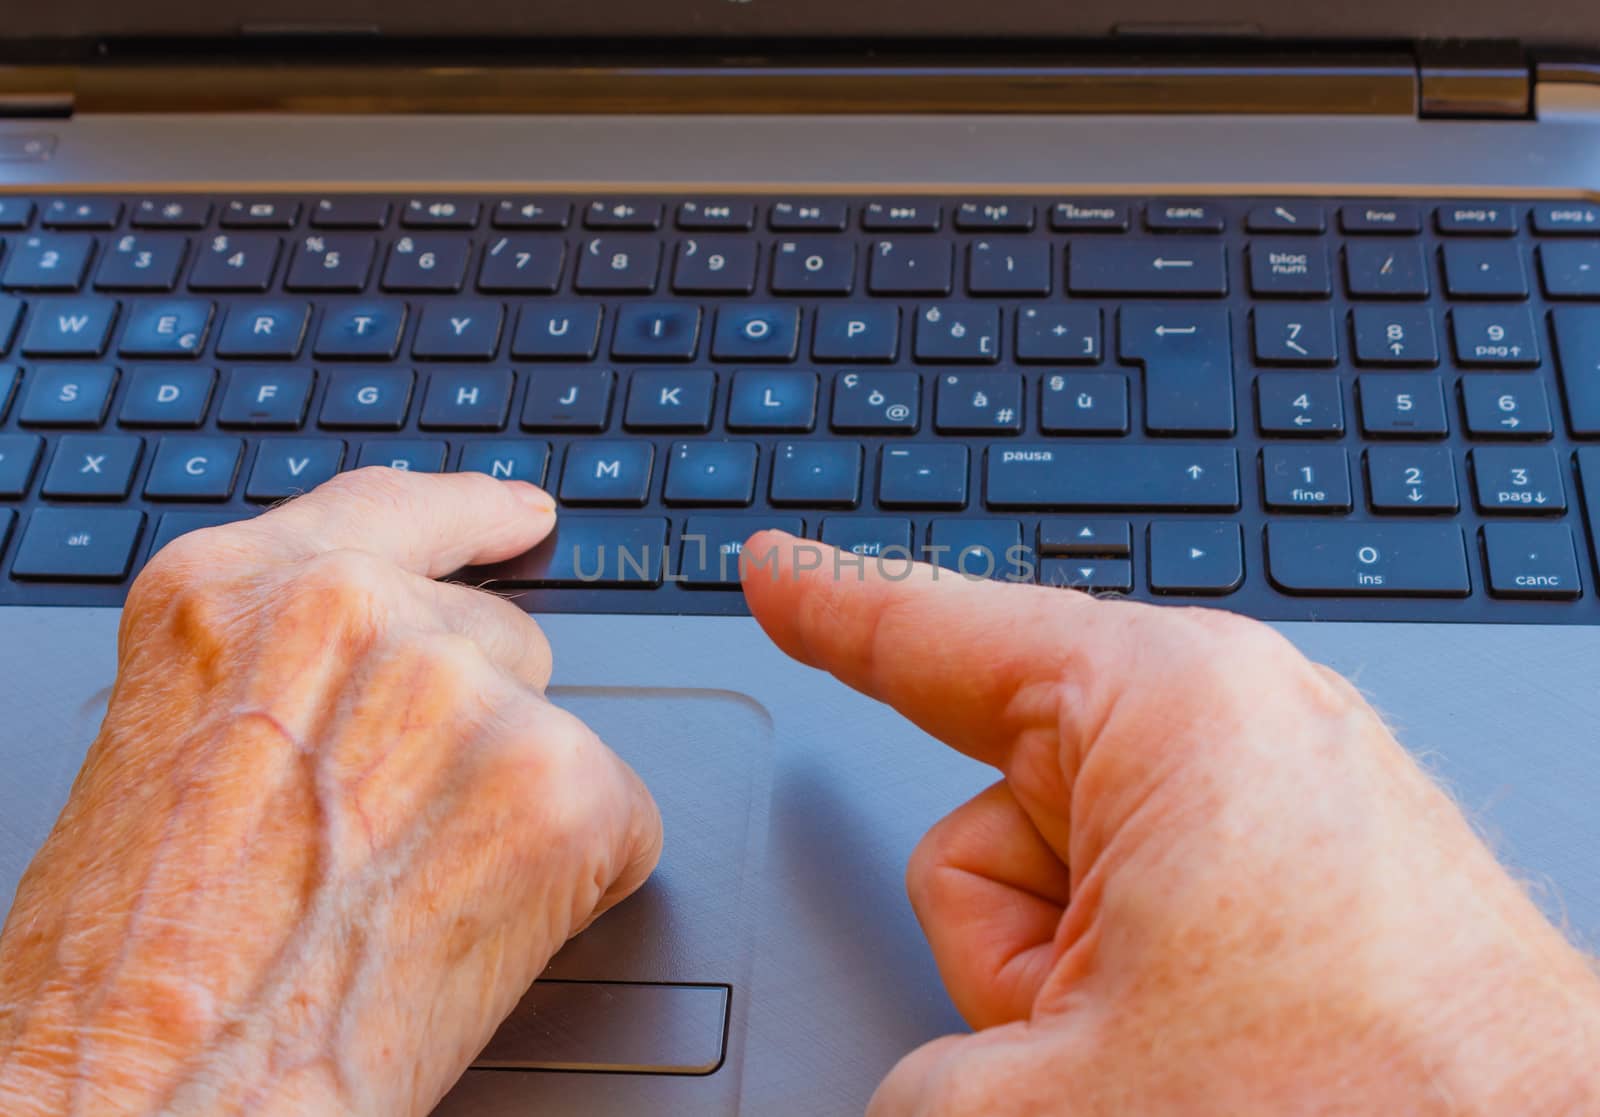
1276,308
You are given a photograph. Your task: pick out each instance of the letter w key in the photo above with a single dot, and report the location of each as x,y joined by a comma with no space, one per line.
1187,354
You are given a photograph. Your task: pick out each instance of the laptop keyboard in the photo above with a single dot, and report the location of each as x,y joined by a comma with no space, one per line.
1332,408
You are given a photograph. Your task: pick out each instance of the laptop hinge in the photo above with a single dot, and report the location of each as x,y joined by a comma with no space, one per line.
1474,81
35,91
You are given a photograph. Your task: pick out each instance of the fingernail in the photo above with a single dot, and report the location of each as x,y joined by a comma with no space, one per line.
534,497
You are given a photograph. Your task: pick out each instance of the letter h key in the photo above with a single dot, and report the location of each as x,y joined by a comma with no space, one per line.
1187,354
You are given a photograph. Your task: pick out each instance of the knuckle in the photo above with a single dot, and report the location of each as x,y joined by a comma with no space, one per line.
337,589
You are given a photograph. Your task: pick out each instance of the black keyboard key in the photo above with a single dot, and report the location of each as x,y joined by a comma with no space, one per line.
519,460
627,264
1475,218
1187,356
372,399
167,328
350,213
81,213
814,267
1182,217
1067,335
1382,270
825,216
817,474
9,375
70,327
1196,557
1501,336
671,400
1368,559
48,262
440,213
92,467
1398,336
1411,479
522,264
717,215
174,524
1084,403
142,263
711,548
1484,270
466,400
1146,266
1577,334
368,330
1090,575
1393,218
1299,335
557,332
1299,404
260,213
756,332
19,456
1505,407
1402,406
856,333
978,403
588,552
772,401
1523,480
406,454
264,330
461,329
568,399
266,398
1008,267
1065,476
715,266
1077,537
331,262
1531,560
964,334
908,214
711,473
10,316
607,473
656,332
980,549
78,544
875,537
173,396
910,267
427,262
16,213
886,402
1089,217
531,213
235,262
1306,479
923,475
1566,219
1289,269
1009,216
287,467
622,214
194,469
1570,271
1300,218
67,395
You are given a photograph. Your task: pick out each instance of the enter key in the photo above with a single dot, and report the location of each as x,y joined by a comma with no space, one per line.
1187,354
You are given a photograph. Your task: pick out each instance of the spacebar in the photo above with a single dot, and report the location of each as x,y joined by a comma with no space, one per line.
586,551
1112,476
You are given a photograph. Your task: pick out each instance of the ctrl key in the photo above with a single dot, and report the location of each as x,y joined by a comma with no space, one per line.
1356,559
78,545
1531,560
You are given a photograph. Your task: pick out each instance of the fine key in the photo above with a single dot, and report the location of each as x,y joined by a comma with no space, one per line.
1346,559
1063,475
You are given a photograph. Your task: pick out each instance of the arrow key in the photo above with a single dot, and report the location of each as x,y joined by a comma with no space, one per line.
1394,337
1522,480
1505,407
1102,575
1112,538
1411,479
1196,556
1290,403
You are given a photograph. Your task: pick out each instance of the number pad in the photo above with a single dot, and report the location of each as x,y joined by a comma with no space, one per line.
1505,407
1394,337
1501,337
1306,478
1403,406
1411,479
1294,335
1523,480
1299,404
